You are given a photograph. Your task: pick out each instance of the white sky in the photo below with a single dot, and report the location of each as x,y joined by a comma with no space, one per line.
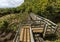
10,3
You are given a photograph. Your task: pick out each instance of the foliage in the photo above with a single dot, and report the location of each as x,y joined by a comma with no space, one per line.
11,22
47,8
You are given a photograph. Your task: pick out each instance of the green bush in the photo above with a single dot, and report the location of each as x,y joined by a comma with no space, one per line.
11,22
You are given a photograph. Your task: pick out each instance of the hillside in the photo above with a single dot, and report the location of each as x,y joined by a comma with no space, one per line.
9,25
46,8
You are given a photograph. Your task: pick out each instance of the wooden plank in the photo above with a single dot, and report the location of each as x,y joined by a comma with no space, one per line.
21,34
45,29
31,33
37,30
25,37
25,27
28,35
25,34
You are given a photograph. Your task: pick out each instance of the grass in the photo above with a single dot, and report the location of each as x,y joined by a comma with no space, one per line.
11,21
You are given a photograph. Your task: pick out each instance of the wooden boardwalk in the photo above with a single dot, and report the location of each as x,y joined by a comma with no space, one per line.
35,25
25,34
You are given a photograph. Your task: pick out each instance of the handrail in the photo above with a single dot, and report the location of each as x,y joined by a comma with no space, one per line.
45,28
17,34
44,19
32,39
53,25
47,20
50,24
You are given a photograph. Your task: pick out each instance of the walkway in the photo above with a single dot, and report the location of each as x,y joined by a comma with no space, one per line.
34,29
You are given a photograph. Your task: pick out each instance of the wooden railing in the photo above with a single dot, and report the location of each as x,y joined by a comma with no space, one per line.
16,38
48,24
32,39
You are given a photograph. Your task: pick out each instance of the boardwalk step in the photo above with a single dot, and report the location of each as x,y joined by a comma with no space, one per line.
37,30
21,35
28,35
25,34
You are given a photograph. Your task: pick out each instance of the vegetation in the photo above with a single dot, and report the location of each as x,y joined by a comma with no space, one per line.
46,8
10,22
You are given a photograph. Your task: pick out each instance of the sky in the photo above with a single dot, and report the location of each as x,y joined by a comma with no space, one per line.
10,3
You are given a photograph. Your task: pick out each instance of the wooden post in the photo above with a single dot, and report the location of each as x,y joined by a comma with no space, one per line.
45,28
32,39
56,29
40,23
